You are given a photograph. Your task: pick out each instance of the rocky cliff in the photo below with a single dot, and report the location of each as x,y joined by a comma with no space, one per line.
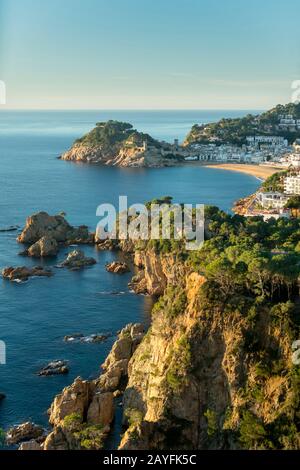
215,369
209,376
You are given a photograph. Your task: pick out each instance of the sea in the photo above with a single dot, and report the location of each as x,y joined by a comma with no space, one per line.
36,316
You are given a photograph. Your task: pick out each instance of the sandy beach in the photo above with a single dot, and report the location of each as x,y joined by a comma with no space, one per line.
261,172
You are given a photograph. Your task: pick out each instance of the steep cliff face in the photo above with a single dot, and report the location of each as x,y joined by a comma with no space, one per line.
209,375
156,272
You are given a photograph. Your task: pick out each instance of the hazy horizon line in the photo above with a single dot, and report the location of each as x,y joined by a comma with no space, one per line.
131,109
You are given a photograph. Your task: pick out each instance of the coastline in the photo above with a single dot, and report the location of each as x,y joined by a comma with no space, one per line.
260,172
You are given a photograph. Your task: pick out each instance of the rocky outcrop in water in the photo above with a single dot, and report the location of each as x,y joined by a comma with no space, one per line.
23,273
24,432
54,368
118,144
44,233
117,268
80,337
46,246
77,260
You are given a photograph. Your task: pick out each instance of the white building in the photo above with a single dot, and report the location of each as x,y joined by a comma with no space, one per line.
292,185
256,140
289,122
272,200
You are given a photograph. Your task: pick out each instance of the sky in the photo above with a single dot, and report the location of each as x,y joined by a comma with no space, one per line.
149,54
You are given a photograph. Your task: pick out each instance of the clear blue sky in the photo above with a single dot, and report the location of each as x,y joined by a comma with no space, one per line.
149,53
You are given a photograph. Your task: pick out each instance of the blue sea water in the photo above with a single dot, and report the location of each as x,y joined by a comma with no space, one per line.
35,316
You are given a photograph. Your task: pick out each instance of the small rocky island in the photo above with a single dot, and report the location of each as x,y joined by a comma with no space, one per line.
117,268
116,143
44,234
23,273
54,368
77,260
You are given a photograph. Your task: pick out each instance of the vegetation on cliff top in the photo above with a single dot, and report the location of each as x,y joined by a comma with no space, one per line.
113,133
236,130
251,269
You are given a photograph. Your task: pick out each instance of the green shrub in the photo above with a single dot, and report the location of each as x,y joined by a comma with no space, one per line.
134,416
90,437
172,303
252,431
212,425
73,421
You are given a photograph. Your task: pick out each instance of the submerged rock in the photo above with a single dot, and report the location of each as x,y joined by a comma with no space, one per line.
54,368
77,260
23,432
117,267
11,228
23,273
79,337
75,337
2,396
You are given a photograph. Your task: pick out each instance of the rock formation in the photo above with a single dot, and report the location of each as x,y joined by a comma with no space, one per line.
24,432
23,273
155,272
195,381
31,445
117,267
116,365
44,233
46,246
94,338
118,144
77,260
54,368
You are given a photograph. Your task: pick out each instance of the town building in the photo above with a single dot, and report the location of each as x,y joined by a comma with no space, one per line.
292,184
273,140
288,122
272,200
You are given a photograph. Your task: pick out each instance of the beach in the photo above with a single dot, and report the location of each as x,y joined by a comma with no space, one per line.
259,171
